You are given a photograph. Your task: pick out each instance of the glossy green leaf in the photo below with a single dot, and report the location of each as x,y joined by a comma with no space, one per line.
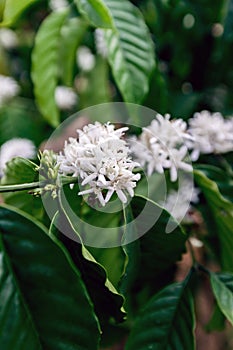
44,302
13,9
45,65
222,210
222,286
159,250
71,37
166,322
95,12
130,50
108,294
223,178
112,259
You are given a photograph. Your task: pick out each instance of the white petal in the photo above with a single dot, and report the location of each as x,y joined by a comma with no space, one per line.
89,179
109,195
121,196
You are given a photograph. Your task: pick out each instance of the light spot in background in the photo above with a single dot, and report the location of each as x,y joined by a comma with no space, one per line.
217,30
187,88
188,21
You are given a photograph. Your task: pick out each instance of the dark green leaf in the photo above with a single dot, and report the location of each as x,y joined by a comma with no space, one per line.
166,322
159,250
228,22
222,211
223,178
99,286
217,321
44,302
222,286
45,65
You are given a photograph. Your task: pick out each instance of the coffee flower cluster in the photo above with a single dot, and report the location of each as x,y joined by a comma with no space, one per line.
211,134
161,146
100,157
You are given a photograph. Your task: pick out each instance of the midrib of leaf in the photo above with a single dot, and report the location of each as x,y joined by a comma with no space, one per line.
19,293
175,314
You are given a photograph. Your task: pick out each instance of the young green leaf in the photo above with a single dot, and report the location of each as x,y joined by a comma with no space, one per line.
130,50
13,9
95,12
167,321
53,310
222,286
22,171
45,65
222,210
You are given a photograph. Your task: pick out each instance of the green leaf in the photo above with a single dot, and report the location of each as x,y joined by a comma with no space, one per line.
217,321
13,9
159,250
132,253
20,118
20,171
222,286
223,178
222,210
130,50
100,287
167,321
44,302
96,90
71,37
45,65
95,12
112,259
228,23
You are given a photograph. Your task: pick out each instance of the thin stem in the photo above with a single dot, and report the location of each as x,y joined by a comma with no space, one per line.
192,252
20,187
32,185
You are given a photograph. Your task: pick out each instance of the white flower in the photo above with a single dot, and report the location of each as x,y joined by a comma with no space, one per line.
16,147
101,159
100,43
65,97
8,38
8,88
161,146
57,5
179,202
211,132
85,58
